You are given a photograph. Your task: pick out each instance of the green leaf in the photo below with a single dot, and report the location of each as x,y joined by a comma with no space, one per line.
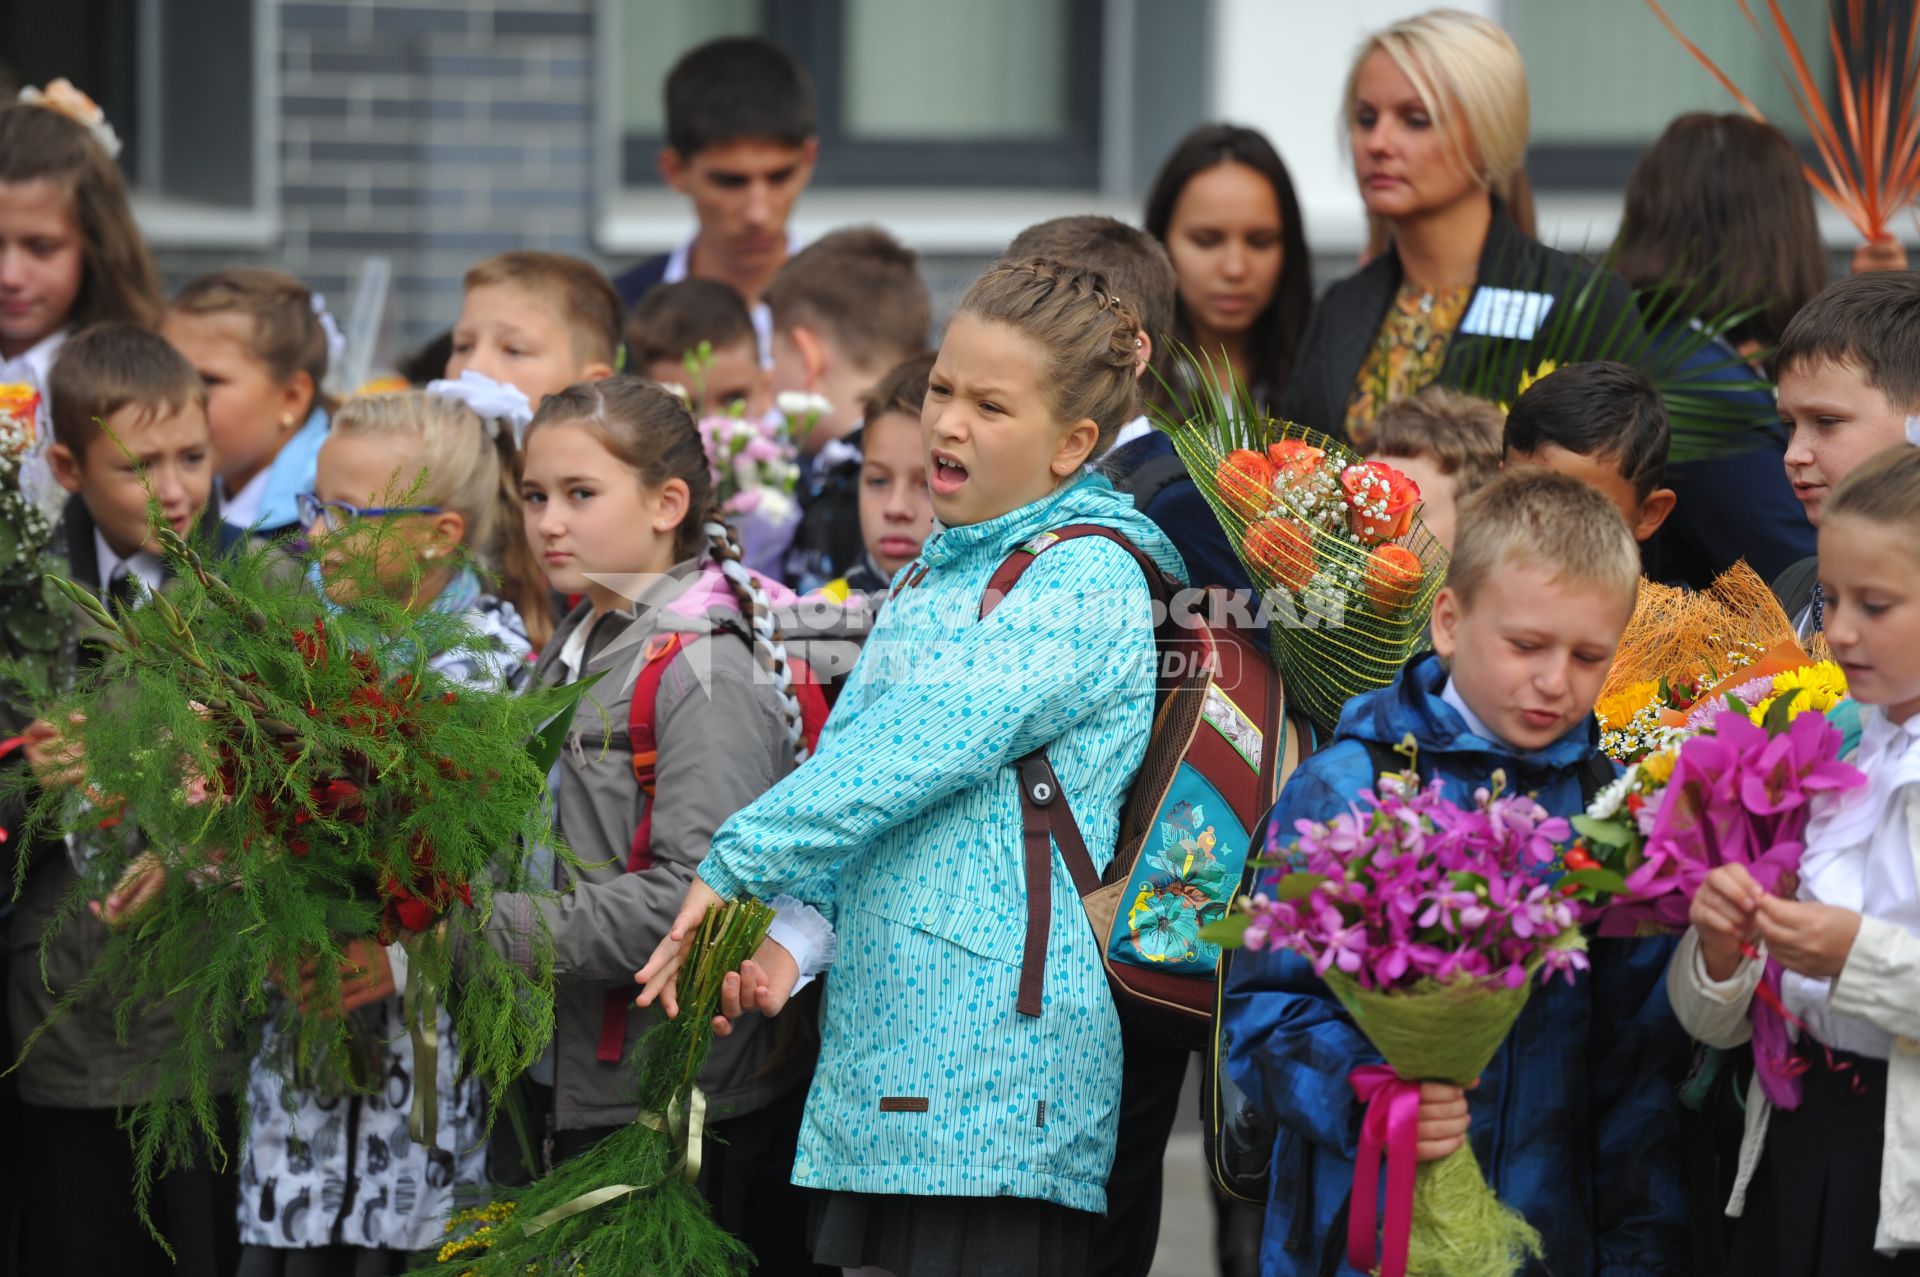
9,545
1605,881
1228,932
32,627
1738,706
1776,720
1297,886
1608,833
545,746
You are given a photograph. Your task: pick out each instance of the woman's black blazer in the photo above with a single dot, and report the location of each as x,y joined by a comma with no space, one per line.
1347,318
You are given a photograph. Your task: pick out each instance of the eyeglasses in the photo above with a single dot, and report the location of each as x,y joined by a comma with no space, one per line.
334,515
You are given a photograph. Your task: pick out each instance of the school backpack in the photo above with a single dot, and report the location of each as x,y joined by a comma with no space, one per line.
1219,748
1237,1138
655,657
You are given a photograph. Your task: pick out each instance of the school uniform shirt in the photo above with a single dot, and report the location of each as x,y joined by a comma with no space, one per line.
330,1169
907,827
1864,845
1575,1122
268,505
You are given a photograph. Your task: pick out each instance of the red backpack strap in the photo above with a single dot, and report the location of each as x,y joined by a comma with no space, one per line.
656,656
1009,572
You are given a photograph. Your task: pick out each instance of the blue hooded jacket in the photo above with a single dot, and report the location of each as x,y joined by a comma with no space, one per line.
1575,1124
907,827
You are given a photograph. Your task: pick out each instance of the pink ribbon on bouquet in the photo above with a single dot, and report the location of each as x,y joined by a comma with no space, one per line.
1392,1122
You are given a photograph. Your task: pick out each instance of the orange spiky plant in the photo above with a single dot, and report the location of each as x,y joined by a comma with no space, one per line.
1872,153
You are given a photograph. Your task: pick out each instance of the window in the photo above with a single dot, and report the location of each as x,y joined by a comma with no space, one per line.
192,112
911,93
1618,77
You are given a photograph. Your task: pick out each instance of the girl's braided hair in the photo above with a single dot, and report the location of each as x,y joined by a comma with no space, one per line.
1091,336
650,430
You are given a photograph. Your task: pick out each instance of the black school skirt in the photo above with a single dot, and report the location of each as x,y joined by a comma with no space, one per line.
950,1236
1814,1201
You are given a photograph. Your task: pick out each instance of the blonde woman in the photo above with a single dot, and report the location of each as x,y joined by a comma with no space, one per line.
1436,116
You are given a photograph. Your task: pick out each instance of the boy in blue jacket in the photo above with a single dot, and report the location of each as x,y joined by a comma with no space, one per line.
1575,1123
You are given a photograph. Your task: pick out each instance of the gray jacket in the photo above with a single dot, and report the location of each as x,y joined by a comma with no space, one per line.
722,743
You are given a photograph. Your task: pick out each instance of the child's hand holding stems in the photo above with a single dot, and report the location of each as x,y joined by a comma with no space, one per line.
1731,912
763,983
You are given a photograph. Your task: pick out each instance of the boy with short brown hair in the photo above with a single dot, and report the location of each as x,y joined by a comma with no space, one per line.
127,407
1447,442
846,309
1848,372
698,335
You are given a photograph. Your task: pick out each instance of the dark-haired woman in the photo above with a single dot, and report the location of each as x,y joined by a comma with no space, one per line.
1224,206
1436,113
1720,202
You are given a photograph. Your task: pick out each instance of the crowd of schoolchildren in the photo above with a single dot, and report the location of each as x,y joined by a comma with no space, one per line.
881,1100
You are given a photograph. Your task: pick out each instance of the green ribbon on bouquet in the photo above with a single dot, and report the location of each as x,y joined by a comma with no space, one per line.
420,1008
684,1124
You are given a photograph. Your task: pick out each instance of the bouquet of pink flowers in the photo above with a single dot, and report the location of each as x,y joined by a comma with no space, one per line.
1739,793
1429,922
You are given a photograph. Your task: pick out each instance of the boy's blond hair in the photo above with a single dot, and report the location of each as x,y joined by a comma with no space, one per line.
581,296
1540,517
1460,432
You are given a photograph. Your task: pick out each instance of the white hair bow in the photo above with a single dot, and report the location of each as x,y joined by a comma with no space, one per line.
1913,431
498,404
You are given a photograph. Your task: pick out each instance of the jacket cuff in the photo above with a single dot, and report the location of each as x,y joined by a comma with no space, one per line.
725,883
1736,988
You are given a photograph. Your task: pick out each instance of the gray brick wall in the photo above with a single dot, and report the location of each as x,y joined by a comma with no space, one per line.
432,132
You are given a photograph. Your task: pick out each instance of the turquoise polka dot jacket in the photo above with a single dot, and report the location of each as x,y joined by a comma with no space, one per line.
906,828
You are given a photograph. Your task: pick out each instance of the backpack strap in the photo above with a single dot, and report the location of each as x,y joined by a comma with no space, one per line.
1046,818
1596,773
1008,574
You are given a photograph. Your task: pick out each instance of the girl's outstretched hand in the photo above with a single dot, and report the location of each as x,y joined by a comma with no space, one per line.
763,983
657,978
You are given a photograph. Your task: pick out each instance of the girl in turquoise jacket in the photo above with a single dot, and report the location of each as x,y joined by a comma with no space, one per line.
954,1133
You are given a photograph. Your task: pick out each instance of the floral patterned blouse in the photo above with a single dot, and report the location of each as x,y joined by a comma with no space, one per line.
1408,350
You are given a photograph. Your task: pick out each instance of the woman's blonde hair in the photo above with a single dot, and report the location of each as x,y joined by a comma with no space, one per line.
470,471
1461,62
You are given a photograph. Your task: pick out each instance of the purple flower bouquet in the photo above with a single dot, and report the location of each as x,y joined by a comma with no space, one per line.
1429,922
1740,794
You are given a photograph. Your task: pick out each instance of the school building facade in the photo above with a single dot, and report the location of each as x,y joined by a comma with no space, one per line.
320,134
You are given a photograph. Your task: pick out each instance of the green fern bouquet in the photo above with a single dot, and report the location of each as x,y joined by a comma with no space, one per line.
301,778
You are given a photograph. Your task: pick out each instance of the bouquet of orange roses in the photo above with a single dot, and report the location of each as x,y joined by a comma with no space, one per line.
1346,571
